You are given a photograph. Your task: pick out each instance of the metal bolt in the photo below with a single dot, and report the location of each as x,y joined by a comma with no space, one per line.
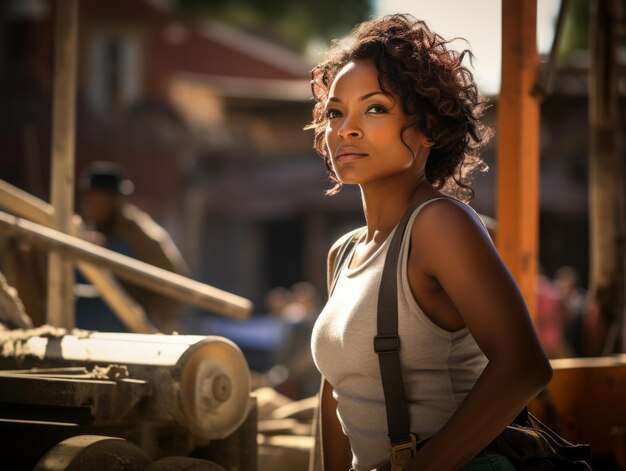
222,387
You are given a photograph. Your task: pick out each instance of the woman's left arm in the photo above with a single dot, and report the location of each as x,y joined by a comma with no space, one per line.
456,252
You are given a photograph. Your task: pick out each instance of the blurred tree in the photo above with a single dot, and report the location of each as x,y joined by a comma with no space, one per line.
576,28
292,22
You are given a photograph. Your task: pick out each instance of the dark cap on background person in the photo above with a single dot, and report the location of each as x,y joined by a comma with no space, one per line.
106,176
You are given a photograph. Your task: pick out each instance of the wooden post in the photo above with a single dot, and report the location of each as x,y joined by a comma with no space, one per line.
60,269
518,146
606,190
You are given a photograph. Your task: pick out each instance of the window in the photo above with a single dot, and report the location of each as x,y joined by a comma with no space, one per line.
114,74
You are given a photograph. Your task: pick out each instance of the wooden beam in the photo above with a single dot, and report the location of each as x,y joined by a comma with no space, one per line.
143,274
130,313
25,205
60,310
518,146
606,185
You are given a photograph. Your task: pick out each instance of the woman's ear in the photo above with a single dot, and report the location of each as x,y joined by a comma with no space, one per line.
431,121
425,141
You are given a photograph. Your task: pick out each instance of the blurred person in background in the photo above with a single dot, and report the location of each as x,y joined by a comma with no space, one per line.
276,299
118,225
294,353
550,319
595,329
276,343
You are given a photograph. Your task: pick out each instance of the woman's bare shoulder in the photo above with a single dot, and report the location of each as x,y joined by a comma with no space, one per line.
446,229
445,214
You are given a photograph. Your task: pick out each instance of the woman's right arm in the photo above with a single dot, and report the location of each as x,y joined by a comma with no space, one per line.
337,454
335,445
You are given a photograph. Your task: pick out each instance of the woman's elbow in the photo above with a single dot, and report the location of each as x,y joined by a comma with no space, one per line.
537,372
544,376
529,369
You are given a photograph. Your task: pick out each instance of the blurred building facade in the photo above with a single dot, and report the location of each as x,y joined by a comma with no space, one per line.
208,122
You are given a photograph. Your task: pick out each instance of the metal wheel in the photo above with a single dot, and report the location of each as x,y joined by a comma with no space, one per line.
214,388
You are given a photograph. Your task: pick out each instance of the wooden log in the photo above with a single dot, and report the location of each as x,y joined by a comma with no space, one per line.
60,311
87,452
203,382
130,313
143,274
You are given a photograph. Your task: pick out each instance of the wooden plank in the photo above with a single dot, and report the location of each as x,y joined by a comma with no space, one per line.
60,311
518,146
585,401
130,313
157,279
25,205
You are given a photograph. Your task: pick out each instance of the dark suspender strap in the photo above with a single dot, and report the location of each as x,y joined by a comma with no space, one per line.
387,341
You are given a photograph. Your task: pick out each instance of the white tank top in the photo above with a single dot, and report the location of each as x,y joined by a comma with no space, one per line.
439,367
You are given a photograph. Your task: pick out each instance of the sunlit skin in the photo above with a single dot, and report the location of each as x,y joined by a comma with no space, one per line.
364,125
363,139
363,133
454,271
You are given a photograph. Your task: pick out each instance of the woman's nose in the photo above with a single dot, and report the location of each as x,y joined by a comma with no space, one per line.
350,129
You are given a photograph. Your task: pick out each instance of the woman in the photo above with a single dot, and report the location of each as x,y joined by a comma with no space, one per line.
399,115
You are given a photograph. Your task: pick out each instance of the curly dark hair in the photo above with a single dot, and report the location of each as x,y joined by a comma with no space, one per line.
438,95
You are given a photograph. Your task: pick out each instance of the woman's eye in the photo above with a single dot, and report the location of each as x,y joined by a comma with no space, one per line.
376,109
332,113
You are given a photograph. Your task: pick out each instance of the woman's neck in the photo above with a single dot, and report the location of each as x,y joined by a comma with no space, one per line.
384,202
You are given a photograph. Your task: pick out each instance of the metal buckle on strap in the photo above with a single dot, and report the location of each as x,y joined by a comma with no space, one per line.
402,453
386,343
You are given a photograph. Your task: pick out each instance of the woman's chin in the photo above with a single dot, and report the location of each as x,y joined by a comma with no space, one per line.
350,181
349,177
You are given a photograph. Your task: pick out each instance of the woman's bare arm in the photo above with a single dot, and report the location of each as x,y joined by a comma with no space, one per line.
337,454
335,444
450,247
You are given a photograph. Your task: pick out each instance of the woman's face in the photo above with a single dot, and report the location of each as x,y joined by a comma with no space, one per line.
364,128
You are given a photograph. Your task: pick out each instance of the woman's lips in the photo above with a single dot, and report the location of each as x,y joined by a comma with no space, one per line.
349,157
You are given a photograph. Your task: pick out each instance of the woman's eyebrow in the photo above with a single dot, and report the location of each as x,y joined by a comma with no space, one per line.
362,98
